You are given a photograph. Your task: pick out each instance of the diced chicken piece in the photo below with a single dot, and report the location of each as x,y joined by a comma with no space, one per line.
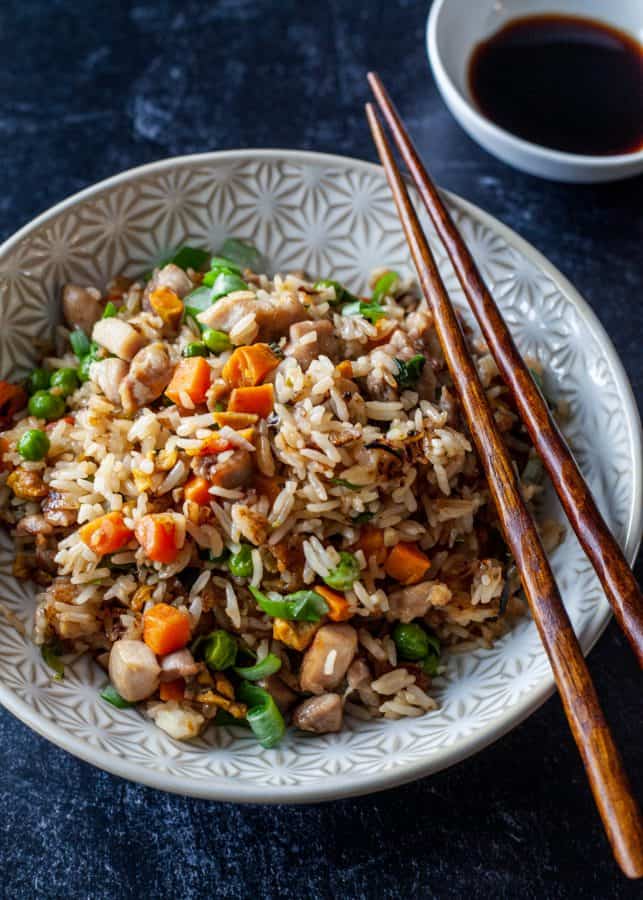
234,473
358,674
34,524
321,715
280,692
149,374
108,374
181,723
180,664
415,601
305,350
82,306
59,510
327,659
133,670
171,277
274,315
118,337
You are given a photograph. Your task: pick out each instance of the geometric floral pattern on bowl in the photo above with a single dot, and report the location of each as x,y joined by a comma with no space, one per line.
331,216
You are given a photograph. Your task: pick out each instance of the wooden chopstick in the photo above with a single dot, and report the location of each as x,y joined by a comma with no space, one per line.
609,783
595,537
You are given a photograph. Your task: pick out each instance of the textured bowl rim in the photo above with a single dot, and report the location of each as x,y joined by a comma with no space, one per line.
338,786
609,163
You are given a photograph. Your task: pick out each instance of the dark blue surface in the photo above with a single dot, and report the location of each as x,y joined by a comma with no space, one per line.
88,89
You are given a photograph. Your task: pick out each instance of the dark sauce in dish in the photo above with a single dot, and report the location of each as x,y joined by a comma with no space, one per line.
565,82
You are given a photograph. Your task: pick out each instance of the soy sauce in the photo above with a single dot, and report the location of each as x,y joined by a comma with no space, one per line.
565,82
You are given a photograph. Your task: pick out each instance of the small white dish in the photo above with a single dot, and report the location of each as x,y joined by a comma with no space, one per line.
454,29
332,216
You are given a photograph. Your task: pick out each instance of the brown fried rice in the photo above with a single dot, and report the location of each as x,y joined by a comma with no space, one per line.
360,478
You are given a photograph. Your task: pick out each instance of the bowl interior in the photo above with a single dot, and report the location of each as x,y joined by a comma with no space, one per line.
461,25
332,217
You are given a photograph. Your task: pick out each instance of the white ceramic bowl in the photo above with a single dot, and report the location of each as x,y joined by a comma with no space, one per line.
455,27
332,216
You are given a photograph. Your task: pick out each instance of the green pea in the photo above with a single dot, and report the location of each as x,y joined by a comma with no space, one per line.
217,341
411,640
345,573
38,380
195,348
240,563
64,381
33,445
44,405
219,650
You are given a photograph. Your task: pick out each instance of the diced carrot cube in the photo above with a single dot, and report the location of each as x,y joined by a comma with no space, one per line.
156,533
198,491
165,628
106,534
259,400
191,377
406,563
338,608
248,366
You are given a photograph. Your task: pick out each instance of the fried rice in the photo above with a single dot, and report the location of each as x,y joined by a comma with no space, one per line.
257,501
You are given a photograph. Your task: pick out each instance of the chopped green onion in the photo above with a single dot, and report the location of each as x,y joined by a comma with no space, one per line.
345,573
268,666
80,343
369,309
243,254
197,301
384,286
110,310
240,563
195,348
275,346
51,655
409,371
187,258
341,482
111,695
342,295
411,640
263,714
221,262
216,341
226,283
219,650
302,606
86,361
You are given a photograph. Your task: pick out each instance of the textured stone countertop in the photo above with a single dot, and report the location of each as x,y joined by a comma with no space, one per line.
89,89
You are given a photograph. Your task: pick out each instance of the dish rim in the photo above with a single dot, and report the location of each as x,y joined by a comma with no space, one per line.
337,786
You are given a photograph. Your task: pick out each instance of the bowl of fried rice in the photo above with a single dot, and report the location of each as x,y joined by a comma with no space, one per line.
248,551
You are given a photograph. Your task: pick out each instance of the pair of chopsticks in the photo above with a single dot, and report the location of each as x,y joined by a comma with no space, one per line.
612,794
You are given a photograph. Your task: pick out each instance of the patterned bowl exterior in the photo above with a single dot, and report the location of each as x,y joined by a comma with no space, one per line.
331,216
